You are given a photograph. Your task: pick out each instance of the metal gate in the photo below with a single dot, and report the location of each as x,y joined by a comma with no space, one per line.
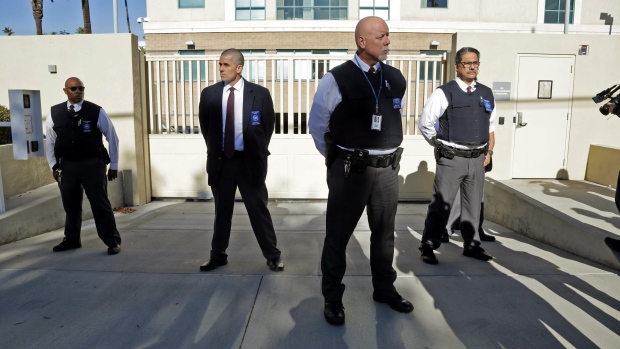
296,169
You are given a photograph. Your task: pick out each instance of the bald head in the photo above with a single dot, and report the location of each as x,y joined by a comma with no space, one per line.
71,80
74,89
372,39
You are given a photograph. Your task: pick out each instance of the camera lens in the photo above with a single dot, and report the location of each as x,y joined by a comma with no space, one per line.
604,109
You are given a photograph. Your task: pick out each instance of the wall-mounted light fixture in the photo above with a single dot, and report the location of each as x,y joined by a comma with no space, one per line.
143,19
51,68
434,43
189,43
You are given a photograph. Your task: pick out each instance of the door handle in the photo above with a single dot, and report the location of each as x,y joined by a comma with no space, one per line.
520,122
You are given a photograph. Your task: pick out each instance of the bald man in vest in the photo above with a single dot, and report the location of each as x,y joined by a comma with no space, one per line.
78,159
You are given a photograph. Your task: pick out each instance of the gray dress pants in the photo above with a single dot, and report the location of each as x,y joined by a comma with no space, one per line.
466,174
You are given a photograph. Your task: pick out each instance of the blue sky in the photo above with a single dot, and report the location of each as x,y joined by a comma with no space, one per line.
67,15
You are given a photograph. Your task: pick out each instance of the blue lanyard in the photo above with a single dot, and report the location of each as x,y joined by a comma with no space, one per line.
373,89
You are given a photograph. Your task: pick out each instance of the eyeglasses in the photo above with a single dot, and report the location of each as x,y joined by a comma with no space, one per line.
73,88
470,64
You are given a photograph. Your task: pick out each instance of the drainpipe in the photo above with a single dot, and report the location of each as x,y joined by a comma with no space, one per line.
566,16
115,13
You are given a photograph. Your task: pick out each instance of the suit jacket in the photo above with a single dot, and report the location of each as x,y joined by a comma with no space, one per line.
255,137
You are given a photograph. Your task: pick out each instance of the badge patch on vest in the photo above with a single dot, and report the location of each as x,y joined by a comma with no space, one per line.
87,126
487,106
396,102
255,117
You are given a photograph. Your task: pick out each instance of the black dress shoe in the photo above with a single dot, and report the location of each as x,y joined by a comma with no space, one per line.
212,264
66,245
428,256
275,264
114,249
484,236
395,301
614,244
477,252
445,237
334,313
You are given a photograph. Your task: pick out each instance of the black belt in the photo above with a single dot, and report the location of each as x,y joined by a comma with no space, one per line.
378,161
467,153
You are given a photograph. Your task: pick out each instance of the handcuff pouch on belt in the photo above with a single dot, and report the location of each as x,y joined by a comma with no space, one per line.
358,160
57,170
331,150
104,154
397,155
443,151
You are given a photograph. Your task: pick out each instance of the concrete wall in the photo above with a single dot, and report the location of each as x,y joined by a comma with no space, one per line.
169,11
110,67
523,11
20,176
593,73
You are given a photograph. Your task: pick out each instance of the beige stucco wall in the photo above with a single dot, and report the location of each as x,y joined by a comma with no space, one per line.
215,43
592,9
603,165
20,176
108,64
593,73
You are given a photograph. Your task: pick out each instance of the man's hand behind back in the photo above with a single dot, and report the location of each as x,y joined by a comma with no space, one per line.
112,174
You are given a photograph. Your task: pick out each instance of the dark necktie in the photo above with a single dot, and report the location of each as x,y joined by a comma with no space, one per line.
229,130
371,70
468,89
72,108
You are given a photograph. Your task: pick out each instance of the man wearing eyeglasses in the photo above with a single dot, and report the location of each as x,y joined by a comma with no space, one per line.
78,159
464,141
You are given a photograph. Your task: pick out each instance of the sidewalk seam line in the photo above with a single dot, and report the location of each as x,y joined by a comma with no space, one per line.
251,311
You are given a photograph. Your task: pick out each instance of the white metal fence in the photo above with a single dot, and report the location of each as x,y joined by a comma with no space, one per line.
175,84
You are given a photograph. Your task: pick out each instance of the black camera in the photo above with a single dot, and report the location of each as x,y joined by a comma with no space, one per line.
608,94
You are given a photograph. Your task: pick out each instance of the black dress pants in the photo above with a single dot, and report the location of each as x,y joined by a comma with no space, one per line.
87,176
234,173
376,189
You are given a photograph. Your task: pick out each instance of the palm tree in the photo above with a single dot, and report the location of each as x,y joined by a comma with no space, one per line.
8,31
86,15
127,14
79,30
37,13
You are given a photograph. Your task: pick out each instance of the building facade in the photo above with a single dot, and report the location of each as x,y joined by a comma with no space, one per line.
326,26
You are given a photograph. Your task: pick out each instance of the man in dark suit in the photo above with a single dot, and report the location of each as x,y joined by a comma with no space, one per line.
237,121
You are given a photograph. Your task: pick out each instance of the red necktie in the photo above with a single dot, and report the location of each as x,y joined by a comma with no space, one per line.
371,70
72,108
229,130
468,89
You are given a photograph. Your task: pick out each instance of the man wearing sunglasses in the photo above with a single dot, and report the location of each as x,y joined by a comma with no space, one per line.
78,159
465,110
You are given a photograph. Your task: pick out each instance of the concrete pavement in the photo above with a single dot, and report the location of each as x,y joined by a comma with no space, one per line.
152,294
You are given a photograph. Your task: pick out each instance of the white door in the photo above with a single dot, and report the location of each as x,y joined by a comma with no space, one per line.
544,92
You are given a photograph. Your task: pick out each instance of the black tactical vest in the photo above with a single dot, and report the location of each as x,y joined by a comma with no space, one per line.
350,123
466,121
77,134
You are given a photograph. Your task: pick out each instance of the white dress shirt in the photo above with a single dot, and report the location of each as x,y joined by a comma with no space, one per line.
434,108
326,99
103,123
238,113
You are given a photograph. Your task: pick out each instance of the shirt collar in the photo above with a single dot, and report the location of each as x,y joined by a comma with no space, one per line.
238,86
76,105
365,67
463,85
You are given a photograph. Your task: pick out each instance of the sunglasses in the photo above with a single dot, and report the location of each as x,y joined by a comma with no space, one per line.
73,88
